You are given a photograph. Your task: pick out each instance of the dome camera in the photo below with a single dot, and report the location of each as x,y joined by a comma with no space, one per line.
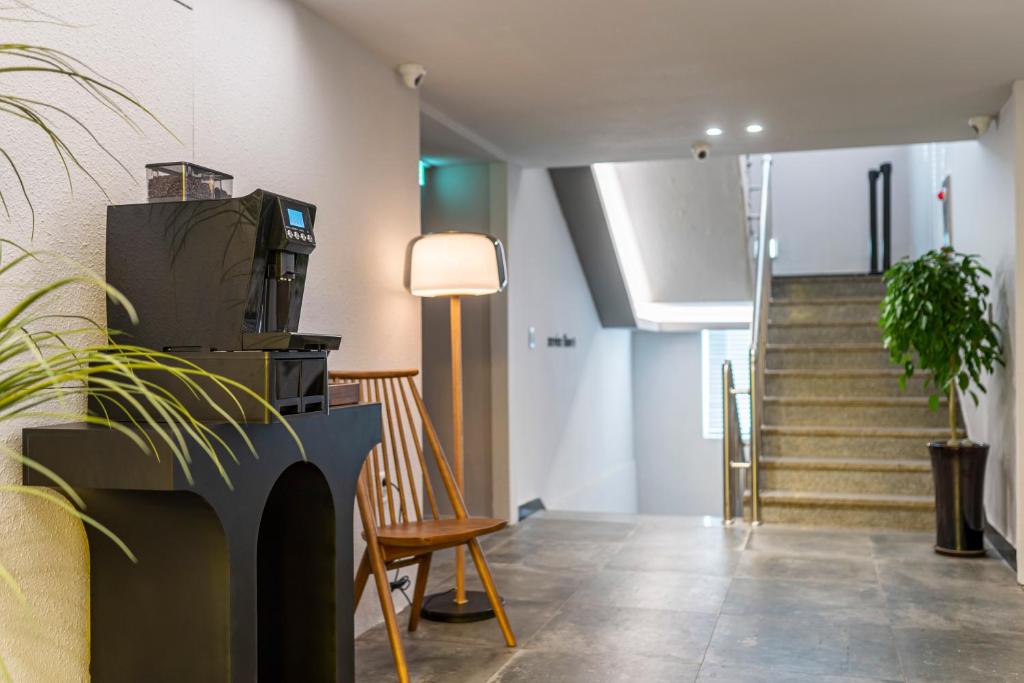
412,75
980,124
700,150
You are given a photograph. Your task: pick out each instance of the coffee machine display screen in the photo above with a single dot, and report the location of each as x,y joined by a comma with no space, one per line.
296,218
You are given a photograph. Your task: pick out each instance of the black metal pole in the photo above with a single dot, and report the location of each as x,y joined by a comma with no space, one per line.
886,170
873,223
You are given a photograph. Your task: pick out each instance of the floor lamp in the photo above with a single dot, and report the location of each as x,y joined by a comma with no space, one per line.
454,265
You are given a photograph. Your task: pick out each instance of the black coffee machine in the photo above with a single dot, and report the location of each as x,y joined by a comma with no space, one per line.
220,284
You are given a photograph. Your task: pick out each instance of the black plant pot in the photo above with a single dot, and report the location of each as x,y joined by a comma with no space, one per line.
959,474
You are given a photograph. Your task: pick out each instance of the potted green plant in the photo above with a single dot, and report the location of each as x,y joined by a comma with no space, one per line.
935,319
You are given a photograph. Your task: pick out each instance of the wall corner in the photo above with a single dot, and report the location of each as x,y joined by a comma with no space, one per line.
1017,122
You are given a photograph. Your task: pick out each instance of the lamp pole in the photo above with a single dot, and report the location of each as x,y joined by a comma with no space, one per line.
457,605
455,317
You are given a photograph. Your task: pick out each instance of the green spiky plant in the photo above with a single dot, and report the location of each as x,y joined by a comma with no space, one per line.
936,309
51,362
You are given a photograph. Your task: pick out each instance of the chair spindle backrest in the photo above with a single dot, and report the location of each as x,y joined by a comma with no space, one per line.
392,470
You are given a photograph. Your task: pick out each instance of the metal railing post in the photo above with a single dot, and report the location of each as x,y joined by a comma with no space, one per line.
886,171
873,220
726,443
755,442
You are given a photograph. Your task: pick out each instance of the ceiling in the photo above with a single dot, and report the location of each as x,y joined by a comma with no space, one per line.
568,82
443,142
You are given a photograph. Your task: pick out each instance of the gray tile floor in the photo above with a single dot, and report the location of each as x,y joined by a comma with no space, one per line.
615,598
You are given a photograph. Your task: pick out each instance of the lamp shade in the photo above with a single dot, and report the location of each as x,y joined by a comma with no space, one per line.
455,264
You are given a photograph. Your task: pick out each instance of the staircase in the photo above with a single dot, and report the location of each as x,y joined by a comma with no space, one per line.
842,445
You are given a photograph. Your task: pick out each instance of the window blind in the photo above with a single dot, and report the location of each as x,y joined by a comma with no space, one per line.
718,346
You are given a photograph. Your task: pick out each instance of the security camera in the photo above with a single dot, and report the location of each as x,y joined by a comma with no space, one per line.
700,150
412,75
979,124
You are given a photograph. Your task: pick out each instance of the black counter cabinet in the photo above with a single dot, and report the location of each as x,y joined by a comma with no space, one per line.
242,585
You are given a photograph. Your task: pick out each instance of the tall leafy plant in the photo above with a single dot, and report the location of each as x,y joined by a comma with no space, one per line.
51,361
935,319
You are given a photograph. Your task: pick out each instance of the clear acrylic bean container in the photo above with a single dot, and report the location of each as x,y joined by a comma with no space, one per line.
180,181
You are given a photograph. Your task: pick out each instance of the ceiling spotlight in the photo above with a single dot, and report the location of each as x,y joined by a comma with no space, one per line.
755,128
714,131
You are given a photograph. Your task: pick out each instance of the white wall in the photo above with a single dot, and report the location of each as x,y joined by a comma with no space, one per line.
820,209
318,117
259,88
1017,97
690,227
929,165
678,471
984,223
570,409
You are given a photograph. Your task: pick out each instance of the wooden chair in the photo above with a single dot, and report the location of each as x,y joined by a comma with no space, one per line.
399,531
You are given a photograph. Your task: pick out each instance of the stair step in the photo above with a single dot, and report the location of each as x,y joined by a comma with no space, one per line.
847,464
889,443
818,286
823,508
879,432
833,309
830,301
848,475
822,323
858,355
845,381
853,500
814,332
852,411
852,400
840,347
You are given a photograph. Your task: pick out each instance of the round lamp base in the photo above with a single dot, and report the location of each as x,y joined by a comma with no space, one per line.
953,552
442,607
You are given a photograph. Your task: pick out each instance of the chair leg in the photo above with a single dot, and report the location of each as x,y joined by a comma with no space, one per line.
362,575
380,577
421,589
492,593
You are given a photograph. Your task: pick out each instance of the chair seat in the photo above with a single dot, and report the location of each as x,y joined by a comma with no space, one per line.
432,532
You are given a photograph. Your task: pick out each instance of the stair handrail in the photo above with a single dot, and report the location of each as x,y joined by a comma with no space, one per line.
759,335
733,457
751,200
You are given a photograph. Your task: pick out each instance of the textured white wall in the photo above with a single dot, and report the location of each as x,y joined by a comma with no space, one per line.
46,640
820,209
678,471
262,89
984,223
570,409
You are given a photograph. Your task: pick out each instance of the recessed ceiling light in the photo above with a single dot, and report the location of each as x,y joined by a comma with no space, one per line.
714,131
755,128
